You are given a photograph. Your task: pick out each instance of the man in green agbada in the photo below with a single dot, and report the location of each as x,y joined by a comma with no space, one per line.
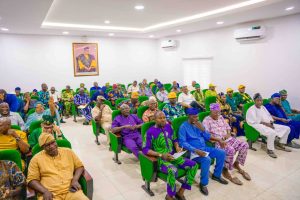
47,126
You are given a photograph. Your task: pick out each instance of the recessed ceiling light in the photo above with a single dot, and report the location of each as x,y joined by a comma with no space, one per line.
111,34
107,22
220,22
289,8
65,32
139,7
151,36
178,30
4,29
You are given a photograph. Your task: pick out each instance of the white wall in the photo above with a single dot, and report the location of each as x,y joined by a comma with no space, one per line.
264,66
29,60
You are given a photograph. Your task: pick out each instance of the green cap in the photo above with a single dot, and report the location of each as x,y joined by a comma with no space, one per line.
47,120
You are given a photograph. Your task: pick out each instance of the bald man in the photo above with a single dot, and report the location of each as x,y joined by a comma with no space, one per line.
15,118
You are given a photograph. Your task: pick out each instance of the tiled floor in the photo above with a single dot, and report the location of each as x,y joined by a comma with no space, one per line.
272,179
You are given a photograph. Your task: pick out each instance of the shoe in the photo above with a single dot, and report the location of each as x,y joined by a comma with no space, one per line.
203,189
293,145
62,121
179,197
85,123
271,154
220,180
282,148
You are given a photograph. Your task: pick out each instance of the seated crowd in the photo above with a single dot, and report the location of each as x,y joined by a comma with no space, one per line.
54,172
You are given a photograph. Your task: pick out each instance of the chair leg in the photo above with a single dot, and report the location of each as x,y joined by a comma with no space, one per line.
97,140
74,118
250,145
116,159
147,189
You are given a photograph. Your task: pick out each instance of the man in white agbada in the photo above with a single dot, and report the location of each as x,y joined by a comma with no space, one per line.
259,118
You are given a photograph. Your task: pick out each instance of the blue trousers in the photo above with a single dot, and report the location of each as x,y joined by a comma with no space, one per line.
205,162
295,129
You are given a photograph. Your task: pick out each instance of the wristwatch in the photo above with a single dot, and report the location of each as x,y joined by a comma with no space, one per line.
160,155
18,139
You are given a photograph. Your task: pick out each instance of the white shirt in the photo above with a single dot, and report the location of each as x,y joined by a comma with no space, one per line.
186,98
132,88
257,115
55,96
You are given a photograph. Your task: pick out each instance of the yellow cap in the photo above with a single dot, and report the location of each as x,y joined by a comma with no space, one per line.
229,90
172,95
241,86
134,95
211,85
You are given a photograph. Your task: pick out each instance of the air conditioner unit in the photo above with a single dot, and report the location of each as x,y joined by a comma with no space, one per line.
250,33
168,44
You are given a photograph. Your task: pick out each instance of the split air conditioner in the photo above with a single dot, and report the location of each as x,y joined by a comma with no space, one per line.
250,33
168,44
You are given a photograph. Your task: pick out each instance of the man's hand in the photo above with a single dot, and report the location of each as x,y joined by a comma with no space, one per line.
178,149
13,133
47,195
75,185
222,143
284,120
200,153
167,157
56,129
51,101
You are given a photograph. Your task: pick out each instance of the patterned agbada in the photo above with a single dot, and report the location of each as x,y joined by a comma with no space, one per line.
83,100
199,97
162,140
172,112
232,102
218,128
86,61
44,97
67,98
11,177
243,98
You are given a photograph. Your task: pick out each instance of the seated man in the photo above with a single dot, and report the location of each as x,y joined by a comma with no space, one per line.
47,126
291,113
40,111
232,102
28,102
68,100
44,94
82,101
279,117
133,88
99,93
12,139
187,100
242,97
14,117
219,128
175,87
145,90
11,99
192,136
211,92
95,86
20,98
162,95
34,93
260,119
81,85
161,143
192,87
58,102
173,109
12,180
134,102
115,94
102,114
199,96
54,172
148,115
128,124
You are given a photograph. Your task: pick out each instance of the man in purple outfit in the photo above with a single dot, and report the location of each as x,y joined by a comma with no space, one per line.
128,124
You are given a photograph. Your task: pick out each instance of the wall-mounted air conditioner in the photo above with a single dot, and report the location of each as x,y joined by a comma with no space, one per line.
168,44
250,33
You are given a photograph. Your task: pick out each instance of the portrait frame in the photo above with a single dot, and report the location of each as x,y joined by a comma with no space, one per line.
85,59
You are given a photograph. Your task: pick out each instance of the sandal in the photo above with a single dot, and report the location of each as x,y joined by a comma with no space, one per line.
245,175
234,180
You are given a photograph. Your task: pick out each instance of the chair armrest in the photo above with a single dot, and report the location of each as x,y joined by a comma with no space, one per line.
86,182
30,193
115,142
149,167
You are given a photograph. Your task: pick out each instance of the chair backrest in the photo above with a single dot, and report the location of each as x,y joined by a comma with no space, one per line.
34,97
177,123
202,115
16,127
34,125
31,110
210,100
145,128
143,98
266,101
204,90
141,110
12,155
168,86
161,105
246,107
94,127
235,94
129,84
120,100
61,143
154,89
178,94
106,102
92,92
115,113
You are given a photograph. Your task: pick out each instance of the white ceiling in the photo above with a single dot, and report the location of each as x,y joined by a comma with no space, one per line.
160,18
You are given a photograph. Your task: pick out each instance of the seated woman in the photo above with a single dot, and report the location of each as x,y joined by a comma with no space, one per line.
235,121
219,128
161,143
11,180
149,113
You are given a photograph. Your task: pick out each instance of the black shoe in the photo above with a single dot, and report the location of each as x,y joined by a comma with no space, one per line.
220,180
62,121
203,189
179,197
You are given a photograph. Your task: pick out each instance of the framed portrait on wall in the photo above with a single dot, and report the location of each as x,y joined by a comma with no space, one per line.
85,59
